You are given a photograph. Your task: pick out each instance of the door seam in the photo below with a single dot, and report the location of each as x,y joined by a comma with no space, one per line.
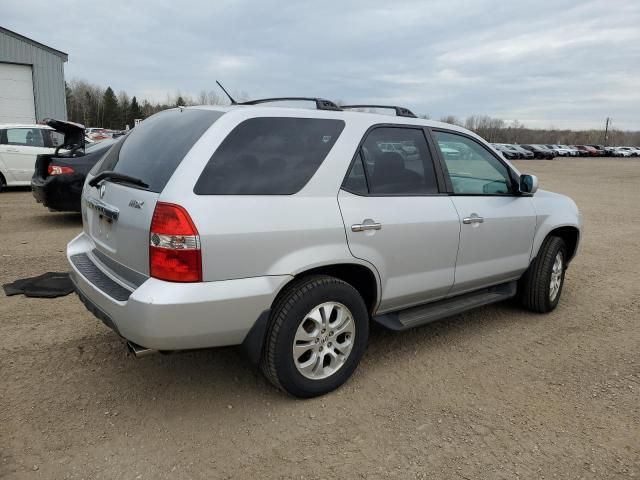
455,267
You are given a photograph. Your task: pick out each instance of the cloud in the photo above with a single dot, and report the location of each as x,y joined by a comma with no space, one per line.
569,63
230,63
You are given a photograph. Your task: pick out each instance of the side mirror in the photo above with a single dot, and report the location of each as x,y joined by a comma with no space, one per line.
528,184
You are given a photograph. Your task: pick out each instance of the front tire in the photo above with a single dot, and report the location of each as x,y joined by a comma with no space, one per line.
318,332
541,286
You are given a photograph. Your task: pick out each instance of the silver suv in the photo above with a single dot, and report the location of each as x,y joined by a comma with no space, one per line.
289,230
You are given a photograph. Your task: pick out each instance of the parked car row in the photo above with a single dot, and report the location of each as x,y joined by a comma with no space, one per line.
623,151
96,134
549,151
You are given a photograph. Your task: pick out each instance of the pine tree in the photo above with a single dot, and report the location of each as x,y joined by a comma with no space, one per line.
123,105
180,101
110,109
134,111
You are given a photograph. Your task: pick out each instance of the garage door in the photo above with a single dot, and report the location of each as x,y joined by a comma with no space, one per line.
16,94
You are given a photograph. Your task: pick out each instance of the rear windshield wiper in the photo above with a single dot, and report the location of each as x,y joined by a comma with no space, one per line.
116,177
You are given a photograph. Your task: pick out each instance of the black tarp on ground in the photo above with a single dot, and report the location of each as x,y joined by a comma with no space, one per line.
48,285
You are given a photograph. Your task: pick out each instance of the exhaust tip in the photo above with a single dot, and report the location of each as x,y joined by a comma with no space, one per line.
139,351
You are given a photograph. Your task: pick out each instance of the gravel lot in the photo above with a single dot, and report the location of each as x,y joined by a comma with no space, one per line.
495,393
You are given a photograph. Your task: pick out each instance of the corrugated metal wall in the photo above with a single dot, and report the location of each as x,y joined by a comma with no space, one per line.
48,75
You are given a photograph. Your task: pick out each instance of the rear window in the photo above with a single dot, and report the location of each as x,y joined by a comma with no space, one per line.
269,156
155,147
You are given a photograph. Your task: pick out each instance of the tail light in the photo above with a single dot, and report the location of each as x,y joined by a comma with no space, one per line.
59,170
174,245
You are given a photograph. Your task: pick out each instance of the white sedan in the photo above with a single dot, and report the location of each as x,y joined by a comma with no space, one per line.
19,147
623,152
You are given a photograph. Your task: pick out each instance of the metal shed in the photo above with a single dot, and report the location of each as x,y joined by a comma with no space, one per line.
31,80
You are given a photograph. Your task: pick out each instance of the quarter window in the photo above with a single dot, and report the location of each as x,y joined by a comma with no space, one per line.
472,169
269,156
393,161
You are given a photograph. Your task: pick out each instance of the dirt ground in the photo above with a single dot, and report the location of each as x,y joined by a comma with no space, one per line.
491,394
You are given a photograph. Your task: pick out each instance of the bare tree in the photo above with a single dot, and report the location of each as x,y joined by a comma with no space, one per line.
213,98
452,119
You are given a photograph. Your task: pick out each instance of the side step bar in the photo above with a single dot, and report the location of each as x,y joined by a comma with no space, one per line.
422,314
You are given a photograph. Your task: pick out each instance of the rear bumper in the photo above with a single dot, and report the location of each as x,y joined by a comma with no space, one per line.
174,316
60,193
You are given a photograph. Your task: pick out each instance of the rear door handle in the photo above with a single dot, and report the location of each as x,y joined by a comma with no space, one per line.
12,150
474,218
361,227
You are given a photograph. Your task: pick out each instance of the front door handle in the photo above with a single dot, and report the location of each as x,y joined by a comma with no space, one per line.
12,150
474,218
361,227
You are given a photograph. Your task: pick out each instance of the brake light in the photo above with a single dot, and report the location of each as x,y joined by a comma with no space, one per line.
174,245
59,170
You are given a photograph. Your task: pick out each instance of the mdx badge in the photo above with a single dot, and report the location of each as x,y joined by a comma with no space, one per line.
136,204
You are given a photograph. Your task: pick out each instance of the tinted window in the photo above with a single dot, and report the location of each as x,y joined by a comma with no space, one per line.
27,137
356,181
269,156
397,162
472,169
155,147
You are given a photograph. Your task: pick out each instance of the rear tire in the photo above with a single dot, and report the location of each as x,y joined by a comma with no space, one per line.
540,287
318,332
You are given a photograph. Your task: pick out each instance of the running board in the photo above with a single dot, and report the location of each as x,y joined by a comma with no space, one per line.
415,316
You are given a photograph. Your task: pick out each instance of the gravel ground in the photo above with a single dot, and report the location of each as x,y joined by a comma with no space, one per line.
491,394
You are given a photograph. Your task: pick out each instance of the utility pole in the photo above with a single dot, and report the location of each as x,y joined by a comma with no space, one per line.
606,132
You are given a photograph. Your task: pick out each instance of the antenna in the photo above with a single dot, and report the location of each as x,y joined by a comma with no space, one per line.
233,102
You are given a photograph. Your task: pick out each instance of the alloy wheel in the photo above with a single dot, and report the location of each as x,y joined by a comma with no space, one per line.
323,341
556,276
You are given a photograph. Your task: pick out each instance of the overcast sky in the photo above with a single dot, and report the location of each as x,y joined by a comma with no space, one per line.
562,63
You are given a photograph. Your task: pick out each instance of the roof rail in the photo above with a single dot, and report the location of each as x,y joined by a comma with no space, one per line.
400,111
321,103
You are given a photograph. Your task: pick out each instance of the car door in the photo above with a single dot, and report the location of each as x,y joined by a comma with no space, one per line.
397,218
4,170
498,224
19,149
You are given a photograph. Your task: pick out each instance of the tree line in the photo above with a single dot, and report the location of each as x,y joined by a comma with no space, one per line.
95,106
496,130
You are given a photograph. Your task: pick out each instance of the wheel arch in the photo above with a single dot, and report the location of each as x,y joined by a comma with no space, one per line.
361,277
571,237
570,234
